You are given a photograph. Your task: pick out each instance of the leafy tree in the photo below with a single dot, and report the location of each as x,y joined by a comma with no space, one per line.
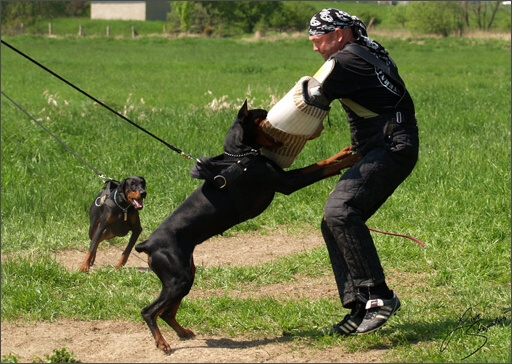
292,16
400,15
29,12
244,14
435,17
484,11
185,12
370,18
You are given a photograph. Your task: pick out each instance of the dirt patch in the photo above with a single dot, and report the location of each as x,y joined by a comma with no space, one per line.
122,341
128,342
237,250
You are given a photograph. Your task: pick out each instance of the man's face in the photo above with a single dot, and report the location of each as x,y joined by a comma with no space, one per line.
328,44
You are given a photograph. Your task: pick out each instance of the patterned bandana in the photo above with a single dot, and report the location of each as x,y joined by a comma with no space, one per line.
329,19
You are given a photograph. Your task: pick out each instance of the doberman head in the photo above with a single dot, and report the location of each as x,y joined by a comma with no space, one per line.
246,133
133,190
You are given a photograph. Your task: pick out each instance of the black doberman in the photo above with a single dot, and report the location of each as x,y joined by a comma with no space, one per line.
115,212
215,207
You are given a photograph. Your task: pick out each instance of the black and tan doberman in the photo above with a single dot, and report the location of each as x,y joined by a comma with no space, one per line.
115,212
217,205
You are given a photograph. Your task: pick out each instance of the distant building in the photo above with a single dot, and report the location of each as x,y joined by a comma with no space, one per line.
130,10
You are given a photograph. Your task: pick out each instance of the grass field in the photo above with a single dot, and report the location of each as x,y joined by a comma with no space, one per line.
187,92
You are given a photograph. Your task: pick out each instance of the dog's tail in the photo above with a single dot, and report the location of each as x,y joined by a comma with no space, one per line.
142,247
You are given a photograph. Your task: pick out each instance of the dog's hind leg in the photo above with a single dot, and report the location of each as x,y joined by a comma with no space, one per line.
150,315
164,306
169,315
176,281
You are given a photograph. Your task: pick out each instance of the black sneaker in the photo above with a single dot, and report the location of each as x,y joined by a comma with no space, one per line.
378,313
345,327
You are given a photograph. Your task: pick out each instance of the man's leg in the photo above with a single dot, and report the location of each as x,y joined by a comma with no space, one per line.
359,193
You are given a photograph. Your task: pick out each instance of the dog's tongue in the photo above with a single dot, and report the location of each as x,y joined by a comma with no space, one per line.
137,203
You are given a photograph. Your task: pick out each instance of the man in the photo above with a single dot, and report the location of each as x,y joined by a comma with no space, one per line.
360,73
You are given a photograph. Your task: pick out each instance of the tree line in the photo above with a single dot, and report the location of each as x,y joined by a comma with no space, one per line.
236,17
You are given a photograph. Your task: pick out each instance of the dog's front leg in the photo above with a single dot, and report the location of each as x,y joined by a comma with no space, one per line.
341,160
291,181
102,233
334,165
91,254
126,253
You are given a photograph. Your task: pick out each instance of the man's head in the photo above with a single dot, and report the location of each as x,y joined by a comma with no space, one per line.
329,30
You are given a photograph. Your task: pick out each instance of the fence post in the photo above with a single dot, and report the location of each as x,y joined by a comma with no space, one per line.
133,32
80,31
50,32
108,31
22,28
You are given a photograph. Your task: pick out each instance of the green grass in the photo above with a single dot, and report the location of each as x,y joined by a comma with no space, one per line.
457,200
58,356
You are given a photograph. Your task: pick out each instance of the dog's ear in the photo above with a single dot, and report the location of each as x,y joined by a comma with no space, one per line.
142,181
122,186
244,111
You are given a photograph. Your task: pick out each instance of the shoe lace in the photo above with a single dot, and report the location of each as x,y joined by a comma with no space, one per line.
371,313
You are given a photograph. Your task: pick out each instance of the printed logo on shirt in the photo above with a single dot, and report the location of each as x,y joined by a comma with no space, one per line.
384,81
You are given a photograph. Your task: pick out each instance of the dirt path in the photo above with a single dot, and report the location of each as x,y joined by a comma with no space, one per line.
125,342
120,341
237,250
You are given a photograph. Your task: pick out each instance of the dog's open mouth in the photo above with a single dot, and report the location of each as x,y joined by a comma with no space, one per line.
138,203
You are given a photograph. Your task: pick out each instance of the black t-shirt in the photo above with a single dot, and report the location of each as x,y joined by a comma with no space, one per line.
363,90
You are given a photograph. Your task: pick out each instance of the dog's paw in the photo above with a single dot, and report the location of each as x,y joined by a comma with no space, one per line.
164,346
186,334
84,268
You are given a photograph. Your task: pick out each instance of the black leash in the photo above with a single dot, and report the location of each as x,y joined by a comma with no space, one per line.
101,175
172,147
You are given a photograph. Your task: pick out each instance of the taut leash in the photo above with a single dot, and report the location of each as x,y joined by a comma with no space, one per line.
101,175
170,146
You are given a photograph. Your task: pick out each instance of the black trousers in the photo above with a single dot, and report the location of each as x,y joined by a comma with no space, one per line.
357,196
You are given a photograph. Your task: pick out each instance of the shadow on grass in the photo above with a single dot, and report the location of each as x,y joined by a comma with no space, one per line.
397,334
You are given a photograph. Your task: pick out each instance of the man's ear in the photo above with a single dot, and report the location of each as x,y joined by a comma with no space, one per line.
339,34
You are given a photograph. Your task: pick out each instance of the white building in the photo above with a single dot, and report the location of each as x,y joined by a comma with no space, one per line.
130,10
